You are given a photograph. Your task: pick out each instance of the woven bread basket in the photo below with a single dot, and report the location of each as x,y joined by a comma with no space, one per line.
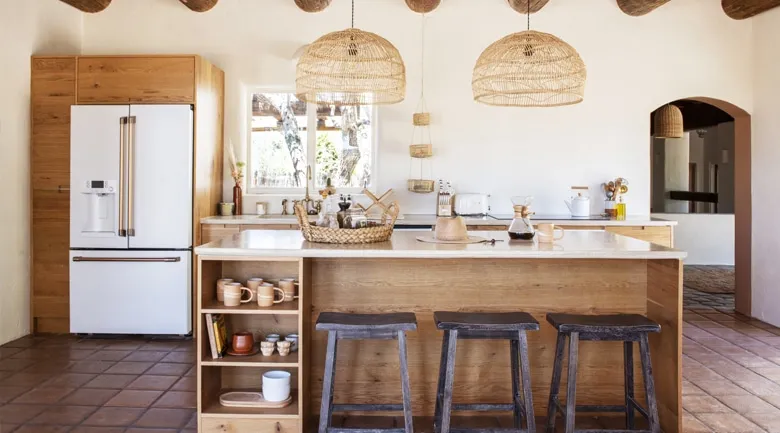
421,119
327,235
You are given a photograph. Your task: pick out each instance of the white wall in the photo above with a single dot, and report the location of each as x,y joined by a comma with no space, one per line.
26,28
685,48
707,238
766,175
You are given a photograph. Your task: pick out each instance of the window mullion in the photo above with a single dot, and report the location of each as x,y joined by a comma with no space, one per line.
311,138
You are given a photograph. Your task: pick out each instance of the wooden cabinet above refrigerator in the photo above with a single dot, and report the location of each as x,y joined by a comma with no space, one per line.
57,82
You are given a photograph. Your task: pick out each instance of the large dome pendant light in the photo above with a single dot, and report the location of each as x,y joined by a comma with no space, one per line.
668,122
529,69
351,67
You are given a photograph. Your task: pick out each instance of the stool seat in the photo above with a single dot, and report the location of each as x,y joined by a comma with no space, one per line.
592,324
516,321
330,321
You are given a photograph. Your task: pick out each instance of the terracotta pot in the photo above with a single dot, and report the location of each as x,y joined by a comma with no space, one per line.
243,342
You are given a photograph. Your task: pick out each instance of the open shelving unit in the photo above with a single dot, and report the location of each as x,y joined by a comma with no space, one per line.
231,373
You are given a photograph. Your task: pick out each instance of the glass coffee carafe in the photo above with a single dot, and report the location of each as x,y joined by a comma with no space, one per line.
521,227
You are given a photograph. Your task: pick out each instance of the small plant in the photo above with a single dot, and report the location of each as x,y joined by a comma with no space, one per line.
236,167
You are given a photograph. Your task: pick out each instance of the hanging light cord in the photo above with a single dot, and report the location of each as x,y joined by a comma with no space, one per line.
527,13
422,61
353,14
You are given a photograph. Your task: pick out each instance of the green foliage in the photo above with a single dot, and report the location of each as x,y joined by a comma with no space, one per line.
327,157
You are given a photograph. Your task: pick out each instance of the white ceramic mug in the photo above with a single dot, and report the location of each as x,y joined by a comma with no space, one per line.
288,286
546,233
233,292
293,338
221,288
273,337
276,385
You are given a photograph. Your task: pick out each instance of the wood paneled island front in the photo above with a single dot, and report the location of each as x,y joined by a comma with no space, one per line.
588,272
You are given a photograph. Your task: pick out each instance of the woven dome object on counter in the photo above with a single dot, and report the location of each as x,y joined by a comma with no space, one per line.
529,69
351,67
668,122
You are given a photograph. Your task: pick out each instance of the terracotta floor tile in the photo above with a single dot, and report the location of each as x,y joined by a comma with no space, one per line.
6,352
703,403
111,381
146,356
8,393
43,429
169,369
109,355
89,429
770,422
164,418
692,425
192,372
66,415
68,380
151,430
43,395
26,379
162,346
14,364
729,423
89,397
114,416
54,366
124,345
19,413
153,382
193,423
90,366
23,342
748,404
190,384
761,386
123,367
772,399
771,373
180,357
134,398
177,399
7,427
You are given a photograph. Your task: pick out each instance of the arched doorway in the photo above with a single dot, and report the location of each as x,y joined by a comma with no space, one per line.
737,199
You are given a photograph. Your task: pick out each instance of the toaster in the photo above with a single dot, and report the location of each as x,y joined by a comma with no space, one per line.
471,204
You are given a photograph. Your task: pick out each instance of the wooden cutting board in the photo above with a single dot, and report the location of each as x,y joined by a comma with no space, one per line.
251,400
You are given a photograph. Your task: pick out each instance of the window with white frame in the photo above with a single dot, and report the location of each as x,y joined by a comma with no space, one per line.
342,147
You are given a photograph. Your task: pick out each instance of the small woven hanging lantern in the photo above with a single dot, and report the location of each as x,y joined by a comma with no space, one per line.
423,6
668,122
529,69
351,67
312,5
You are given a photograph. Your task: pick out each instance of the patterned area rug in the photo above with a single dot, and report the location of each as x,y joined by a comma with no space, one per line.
709,279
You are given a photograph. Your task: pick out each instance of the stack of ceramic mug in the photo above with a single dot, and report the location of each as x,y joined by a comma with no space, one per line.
274,342
232,293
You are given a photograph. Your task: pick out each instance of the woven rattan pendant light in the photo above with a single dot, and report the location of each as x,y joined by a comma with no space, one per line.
668,122
529,69
351,67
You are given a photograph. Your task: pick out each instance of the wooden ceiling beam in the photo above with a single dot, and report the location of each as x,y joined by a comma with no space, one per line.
312,5
637,8
741,9
522,5
199,5
90,6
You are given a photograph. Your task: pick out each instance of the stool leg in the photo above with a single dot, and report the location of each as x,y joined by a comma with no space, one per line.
326,409
527,395
555,384
514,350
449,376
647,375
571,378
628,379
405,390
440,387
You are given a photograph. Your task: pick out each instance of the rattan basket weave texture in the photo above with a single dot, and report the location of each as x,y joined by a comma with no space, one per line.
379,233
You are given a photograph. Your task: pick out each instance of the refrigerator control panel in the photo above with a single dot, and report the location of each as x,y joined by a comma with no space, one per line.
100,187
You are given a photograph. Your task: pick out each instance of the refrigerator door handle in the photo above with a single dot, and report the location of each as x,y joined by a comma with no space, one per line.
130,172
122,146
128,259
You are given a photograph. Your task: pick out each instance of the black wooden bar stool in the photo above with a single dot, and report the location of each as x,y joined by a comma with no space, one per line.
489,326
627,328
344,326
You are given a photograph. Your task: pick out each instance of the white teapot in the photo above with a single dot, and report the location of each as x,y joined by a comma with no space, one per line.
579,206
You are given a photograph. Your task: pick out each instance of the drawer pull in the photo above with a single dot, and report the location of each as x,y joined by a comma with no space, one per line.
127,259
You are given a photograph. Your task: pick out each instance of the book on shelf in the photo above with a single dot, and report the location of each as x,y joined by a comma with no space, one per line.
215,325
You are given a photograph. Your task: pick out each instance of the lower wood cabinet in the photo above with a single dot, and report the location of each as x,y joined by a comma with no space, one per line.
215,232
225,425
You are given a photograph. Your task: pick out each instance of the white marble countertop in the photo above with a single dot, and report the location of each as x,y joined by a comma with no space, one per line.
577,244
424,219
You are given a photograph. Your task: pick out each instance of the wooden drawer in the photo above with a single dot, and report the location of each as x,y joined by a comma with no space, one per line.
215,232
219,425
245,227
123,80
661,235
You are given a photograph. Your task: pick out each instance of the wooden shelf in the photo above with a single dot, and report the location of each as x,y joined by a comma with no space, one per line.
216,410
275,360
251,308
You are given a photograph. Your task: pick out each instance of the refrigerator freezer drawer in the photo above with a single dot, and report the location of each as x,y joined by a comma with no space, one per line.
130,292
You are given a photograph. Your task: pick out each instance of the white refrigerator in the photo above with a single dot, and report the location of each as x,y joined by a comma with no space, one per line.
131,219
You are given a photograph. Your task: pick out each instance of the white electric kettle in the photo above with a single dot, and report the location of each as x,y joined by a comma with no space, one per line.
579,205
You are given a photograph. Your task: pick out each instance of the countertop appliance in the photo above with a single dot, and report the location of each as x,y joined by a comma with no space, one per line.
131,219
472,204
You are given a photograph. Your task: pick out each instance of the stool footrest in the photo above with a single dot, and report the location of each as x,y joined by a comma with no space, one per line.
365,430
367,407
598,408
489,430
484,407
612,431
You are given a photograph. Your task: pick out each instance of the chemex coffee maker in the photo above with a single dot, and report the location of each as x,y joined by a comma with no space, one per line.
521,227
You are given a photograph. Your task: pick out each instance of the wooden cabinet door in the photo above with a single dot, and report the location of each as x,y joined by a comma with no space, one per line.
124,80
50,267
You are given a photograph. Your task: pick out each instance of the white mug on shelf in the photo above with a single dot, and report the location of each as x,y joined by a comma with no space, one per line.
276,385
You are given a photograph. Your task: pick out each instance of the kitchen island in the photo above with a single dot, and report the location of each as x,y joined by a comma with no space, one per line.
588,272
